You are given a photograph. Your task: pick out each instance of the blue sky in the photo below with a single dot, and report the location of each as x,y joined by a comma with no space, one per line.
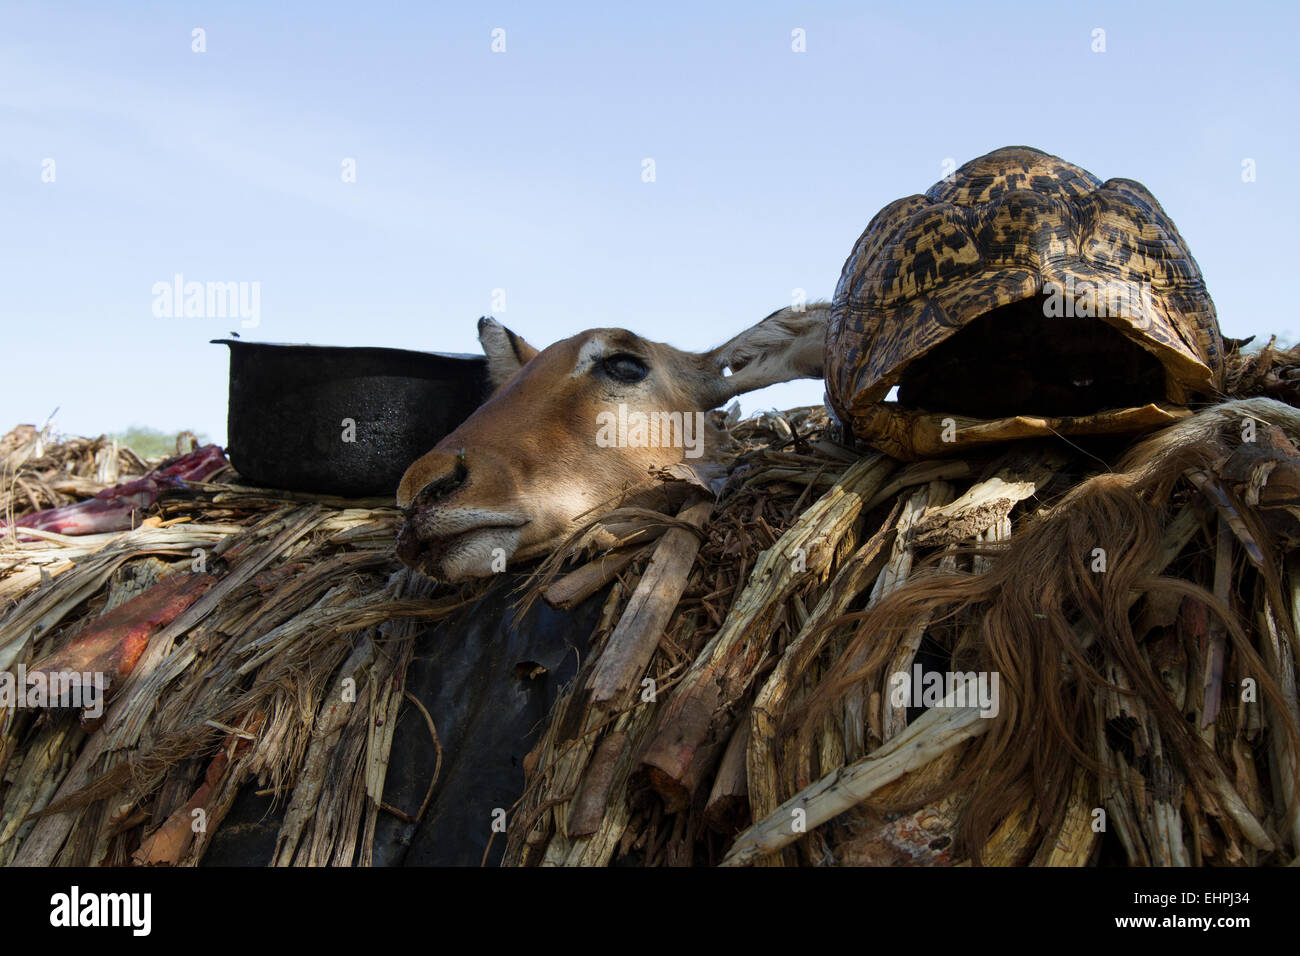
522,170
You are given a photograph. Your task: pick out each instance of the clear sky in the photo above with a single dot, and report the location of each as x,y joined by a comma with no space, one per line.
523,170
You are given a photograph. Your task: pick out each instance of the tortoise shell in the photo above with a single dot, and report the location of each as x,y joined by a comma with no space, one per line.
1015,226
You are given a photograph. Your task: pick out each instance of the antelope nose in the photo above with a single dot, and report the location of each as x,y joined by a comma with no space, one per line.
431,479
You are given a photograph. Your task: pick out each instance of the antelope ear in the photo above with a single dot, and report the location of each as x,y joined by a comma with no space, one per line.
784,346
506,352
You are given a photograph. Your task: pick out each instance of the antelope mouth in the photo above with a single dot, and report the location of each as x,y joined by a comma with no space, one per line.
459,546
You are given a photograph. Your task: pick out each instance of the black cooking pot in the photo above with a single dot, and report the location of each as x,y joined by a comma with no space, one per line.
289,407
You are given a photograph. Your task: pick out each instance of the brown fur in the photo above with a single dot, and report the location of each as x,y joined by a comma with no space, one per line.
520,474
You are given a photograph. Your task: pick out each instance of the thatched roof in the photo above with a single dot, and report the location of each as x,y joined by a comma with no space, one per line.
735,700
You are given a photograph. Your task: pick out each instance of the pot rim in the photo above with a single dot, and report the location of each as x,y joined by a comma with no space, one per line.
454,356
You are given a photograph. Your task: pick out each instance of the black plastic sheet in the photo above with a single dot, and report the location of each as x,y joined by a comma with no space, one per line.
489,686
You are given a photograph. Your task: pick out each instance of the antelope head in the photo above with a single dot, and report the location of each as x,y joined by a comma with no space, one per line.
576,428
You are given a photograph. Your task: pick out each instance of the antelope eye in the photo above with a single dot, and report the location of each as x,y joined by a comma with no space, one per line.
625,368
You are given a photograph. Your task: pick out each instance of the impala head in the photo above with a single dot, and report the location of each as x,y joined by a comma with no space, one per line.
576,428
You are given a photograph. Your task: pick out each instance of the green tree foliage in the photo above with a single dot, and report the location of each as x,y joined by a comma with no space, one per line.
151,442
